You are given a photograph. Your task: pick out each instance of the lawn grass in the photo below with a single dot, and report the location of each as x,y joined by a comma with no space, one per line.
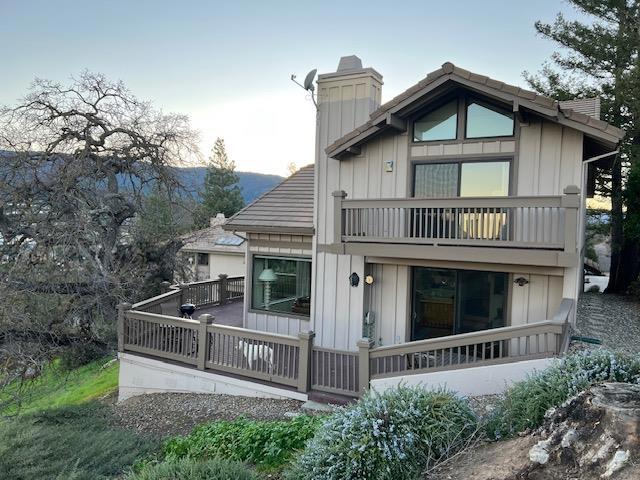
55,388
72,443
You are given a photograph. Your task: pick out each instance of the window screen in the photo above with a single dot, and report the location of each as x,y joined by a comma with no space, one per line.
436,180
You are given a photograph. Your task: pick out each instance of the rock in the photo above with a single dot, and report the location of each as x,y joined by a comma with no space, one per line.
593,435
312,406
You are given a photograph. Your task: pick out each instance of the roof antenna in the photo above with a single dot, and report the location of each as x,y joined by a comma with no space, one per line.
308,84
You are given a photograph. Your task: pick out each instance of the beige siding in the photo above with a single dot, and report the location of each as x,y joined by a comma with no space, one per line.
467,148
338,306
276,323
550,158
389,299
537,300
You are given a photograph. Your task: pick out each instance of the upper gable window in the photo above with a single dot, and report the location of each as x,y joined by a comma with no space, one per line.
484,120
439,124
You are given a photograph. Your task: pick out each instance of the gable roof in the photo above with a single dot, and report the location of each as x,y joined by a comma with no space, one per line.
383,117
287,208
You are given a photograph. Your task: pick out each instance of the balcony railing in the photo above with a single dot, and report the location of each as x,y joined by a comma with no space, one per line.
542,222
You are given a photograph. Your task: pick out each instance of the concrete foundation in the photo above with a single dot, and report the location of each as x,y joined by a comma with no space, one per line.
140,375
475,381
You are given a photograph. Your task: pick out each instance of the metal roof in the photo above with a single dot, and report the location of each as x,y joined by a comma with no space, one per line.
287,208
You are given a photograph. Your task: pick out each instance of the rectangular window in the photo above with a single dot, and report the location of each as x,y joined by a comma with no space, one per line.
281,284
484,179
203,259
461,179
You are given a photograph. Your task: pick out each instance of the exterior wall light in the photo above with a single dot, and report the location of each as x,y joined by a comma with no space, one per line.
368,279
354,279
521,281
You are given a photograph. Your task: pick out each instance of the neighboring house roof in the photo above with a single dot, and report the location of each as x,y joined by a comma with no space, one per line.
560,112
288,208
213,239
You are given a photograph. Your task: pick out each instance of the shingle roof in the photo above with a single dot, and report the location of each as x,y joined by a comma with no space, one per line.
213,239
288,208
449,70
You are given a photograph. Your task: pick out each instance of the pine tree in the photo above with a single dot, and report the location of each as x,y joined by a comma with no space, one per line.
600,57
221,194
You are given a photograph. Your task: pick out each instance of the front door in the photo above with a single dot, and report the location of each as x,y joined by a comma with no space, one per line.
448,302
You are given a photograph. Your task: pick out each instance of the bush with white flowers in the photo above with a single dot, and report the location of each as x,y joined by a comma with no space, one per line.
391,435
525,403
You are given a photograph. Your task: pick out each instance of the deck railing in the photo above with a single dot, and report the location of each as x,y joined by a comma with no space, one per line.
545,222
296,362
205,293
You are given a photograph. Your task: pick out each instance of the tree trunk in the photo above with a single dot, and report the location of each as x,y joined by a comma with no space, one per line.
617,274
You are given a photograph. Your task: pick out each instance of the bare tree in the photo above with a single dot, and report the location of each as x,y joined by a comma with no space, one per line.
75,164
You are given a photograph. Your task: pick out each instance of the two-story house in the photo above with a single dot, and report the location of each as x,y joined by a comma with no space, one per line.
436,240
455,207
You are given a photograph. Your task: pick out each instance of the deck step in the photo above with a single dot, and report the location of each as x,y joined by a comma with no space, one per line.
330,398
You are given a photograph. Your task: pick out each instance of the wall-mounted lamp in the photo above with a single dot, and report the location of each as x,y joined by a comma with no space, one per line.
354,279
368,279
521,281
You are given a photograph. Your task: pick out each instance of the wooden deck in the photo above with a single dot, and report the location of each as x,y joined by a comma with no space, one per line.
221,345
229,314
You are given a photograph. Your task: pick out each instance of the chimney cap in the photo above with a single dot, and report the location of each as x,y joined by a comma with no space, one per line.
349,62
350,65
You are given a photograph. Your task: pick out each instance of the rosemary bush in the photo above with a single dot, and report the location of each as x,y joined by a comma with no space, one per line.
525,403
396,434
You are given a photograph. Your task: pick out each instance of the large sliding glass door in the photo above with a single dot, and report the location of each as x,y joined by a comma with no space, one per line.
448,302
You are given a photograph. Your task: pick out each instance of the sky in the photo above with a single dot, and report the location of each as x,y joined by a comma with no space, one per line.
227,65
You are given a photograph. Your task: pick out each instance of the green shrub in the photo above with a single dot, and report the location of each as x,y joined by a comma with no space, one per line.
396,434
69,443
79,354
187,469
266,444
525,403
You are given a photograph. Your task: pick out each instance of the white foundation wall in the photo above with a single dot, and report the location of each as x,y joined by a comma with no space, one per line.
140,375
476,381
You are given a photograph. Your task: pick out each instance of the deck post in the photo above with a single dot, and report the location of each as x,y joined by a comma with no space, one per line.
364,345
304,364
165,286
122,309
571,203
205,319
224,294
338,196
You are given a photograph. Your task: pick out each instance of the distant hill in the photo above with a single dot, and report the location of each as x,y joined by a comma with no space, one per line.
253,184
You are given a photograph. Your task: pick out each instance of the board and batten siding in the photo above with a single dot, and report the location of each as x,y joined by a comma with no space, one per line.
547,157
345,102
274,244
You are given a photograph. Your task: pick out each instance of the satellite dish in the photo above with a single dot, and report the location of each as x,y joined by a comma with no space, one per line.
308,80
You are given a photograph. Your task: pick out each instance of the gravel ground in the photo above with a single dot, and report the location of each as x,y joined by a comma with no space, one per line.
614,319
164,414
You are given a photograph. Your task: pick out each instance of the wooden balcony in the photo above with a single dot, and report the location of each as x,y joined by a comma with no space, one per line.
535,230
